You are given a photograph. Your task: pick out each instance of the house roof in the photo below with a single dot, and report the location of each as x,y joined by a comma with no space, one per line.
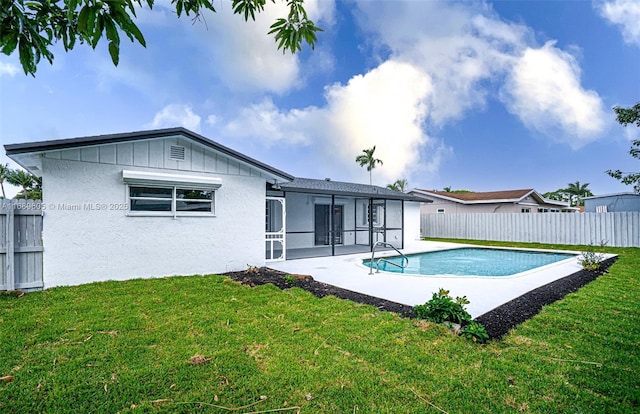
27,154
595,197
506,196
329,187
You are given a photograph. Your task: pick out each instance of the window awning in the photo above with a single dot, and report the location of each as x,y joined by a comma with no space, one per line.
159,178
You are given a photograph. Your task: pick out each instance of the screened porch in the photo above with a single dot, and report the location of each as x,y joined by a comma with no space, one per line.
306,223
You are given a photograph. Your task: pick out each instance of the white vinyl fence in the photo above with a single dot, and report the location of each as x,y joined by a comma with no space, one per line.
615,229
20,244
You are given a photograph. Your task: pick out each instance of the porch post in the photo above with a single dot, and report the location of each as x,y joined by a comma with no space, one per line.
369,214
402,225
332,225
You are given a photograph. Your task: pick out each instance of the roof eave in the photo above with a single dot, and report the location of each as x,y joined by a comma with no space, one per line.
24,151
329,192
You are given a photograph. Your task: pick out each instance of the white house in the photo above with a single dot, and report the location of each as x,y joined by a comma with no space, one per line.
172,202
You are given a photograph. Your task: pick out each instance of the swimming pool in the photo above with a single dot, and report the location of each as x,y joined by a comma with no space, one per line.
471,262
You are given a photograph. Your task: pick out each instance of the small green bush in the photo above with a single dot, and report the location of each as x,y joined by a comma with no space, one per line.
289,279
442,308
590,260
475,332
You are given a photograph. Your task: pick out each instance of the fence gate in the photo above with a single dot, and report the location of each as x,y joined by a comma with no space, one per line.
20,244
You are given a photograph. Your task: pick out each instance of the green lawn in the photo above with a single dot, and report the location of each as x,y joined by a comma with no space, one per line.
126,347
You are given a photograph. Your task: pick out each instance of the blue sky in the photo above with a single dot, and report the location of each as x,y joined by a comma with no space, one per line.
473,95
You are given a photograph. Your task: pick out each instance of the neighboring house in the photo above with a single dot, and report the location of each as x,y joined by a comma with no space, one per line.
510,201
611,203
171,202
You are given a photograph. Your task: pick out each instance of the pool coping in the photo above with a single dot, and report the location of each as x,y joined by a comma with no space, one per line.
484,293
574,257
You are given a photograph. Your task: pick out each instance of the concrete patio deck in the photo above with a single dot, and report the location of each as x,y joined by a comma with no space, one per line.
484,293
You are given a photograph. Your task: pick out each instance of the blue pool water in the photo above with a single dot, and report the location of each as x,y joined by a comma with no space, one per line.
472,262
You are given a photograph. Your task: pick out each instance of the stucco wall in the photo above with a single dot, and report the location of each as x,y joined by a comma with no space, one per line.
301,218
411,221
88,244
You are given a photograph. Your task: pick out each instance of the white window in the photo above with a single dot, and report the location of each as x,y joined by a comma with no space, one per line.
162,194
601,209
441,211
525,210
173,200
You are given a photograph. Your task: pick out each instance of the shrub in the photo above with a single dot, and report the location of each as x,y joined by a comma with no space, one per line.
442,308
590,260
475,332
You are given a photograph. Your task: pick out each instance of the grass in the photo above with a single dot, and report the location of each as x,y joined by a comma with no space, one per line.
126,347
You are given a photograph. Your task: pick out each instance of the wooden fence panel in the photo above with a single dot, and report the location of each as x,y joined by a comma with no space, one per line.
20,244
621,229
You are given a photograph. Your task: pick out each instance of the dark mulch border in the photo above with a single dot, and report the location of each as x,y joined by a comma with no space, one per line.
500,320
497,322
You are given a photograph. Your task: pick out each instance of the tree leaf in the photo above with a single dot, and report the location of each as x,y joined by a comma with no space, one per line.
83,18
114,51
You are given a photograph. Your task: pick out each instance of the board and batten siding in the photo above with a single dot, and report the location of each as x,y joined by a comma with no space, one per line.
154,153
620,229
20,245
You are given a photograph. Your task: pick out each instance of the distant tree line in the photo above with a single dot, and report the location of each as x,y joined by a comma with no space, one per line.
31,186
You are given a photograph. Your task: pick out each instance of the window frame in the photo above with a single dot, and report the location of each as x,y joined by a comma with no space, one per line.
174,211
174,182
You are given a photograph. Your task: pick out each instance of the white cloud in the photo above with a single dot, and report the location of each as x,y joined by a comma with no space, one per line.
8,69
212,120
175,115
438,60
544,90
471,54
461,48
385,107
624,13
271,125
245,57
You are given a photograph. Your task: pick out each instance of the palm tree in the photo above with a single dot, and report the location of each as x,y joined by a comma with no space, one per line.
447,189
576,192
21,178
368,161
399,185
4,172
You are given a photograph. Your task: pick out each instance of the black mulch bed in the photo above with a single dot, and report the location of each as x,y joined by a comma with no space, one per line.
497,322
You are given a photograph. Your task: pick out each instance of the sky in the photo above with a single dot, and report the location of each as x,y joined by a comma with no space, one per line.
481,96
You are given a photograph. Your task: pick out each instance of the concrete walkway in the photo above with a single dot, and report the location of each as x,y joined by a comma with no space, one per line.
484,293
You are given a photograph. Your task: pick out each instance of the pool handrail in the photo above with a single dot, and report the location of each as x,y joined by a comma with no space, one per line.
405,259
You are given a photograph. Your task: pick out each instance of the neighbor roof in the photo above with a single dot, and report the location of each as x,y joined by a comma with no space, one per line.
507,196
21,152
329,187
611,195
